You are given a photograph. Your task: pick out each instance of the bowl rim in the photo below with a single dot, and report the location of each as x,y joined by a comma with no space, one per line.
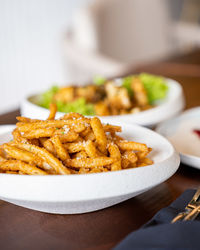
170,82
171,147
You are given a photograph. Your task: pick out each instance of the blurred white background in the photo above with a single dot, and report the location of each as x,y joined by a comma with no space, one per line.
43,42
31,56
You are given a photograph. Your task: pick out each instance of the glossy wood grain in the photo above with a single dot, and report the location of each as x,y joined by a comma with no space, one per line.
21,228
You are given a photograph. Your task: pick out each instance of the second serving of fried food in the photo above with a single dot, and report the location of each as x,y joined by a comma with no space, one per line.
103,97
72,144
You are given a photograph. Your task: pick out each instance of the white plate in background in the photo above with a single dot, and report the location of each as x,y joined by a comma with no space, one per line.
71,194
179,131
172,105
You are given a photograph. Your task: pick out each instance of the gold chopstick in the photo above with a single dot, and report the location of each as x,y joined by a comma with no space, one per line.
191,210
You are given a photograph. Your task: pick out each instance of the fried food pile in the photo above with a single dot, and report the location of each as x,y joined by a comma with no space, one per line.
72,144
107,99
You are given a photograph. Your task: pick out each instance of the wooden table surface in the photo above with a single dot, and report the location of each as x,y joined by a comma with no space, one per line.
21,228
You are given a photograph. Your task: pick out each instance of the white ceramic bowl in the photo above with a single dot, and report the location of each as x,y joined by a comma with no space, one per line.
72,194
179,131
168,108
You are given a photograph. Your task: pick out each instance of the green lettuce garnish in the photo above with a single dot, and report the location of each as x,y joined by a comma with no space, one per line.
155,86
126,83
99,80
47,96
79,106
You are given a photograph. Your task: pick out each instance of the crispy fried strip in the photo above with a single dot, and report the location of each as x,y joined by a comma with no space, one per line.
60,150
38,133
117,137
24,155
95,170
79,155
46,156
98,170
146,161
24,127
72,115
90,149
141,164
73,171
16,165
90,136
131,156
21,173
140,93
53,110
101,108
11,172
125,162
34,141
111,128
99,133
84,171
48,145
17,136
2,159
79,127
115,153
79,139
25,119
74,147
90,162
75,127
2,151
99,153
86,131
130,145
142,155
70,136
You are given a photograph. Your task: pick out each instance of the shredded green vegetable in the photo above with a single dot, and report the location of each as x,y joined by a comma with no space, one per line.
78,106
47,96
155,86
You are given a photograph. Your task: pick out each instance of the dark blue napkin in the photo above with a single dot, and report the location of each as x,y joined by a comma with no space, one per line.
159,233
